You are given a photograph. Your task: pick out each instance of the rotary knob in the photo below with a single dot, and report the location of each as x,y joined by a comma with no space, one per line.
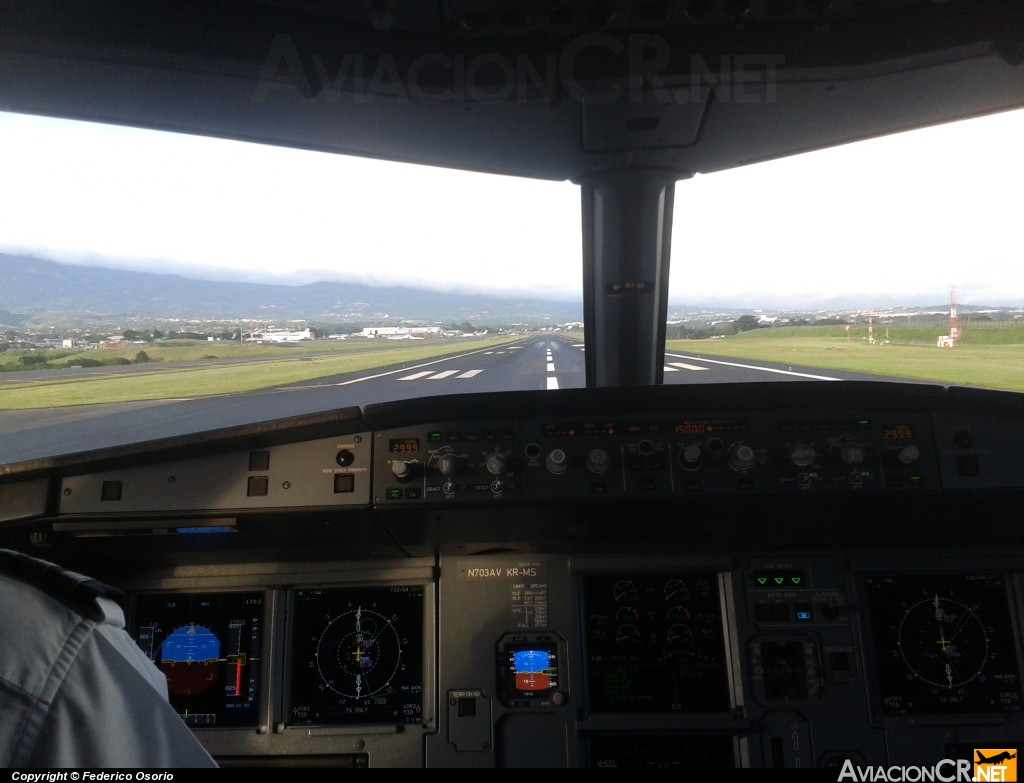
402,471
557,461
909,455
496,464
691,457
742,457
448,465
598,461
853,454
802,455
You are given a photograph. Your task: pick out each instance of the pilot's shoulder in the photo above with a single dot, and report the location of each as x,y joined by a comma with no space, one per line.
42,607
75,591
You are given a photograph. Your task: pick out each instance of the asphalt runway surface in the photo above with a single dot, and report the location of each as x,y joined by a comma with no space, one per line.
539,362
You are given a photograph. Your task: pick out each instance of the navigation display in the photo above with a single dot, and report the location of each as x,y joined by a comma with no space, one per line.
944,644
208,646
357,655
655,643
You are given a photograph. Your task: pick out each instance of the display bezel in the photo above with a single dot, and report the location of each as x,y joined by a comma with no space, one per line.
263,705
428,702
872,648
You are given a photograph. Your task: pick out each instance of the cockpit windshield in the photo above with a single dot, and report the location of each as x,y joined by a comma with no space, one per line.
192,282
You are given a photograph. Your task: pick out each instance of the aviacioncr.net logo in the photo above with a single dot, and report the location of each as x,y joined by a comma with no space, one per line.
998,764
946,771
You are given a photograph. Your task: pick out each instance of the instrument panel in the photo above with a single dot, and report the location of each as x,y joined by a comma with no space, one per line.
800,586
663,643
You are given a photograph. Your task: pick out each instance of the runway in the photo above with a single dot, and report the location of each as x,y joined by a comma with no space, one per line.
549,362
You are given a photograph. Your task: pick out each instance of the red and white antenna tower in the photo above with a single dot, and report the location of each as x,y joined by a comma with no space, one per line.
954,333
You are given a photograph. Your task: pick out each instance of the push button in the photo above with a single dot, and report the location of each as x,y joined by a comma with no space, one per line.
111,490
839,661
344,482
258,486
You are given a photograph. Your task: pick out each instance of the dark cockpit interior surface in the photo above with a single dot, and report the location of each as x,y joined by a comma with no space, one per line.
631,574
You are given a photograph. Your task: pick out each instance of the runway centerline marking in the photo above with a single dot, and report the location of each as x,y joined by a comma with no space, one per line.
469,374
688,366
552,383
754,367
551,366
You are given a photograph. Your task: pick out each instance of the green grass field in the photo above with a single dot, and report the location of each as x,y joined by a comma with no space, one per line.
194,350
989,357
164,381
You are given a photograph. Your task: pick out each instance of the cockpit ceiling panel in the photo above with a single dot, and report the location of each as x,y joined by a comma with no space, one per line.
528,93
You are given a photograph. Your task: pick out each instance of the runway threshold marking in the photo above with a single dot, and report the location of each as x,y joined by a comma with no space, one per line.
402,369
670,369
469,374
688,366
415,376
442,375
755,367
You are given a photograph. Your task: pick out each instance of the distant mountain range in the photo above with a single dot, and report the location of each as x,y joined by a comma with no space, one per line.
29,285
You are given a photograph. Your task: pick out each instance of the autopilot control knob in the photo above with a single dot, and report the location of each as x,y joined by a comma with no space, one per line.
691,457
402,471
448,465
496,464
598,461
742,457
557,461
802,455
853,453
908,455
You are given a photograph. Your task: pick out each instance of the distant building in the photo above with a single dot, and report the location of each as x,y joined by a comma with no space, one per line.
280,337
401,332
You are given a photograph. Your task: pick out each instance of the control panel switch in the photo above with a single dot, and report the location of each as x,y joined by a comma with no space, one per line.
802,455
448,465
496,464
557,461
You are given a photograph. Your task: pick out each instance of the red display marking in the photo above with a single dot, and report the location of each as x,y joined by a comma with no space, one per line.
532,681
238,679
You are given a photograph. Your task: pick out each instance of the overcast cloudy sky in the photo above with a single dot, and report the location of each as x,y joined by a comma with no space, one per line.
889,221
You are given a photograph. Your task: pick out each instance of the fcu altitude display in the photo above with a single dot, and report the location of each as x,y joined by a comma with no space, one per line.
944,644
357,656
208,646
654,643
